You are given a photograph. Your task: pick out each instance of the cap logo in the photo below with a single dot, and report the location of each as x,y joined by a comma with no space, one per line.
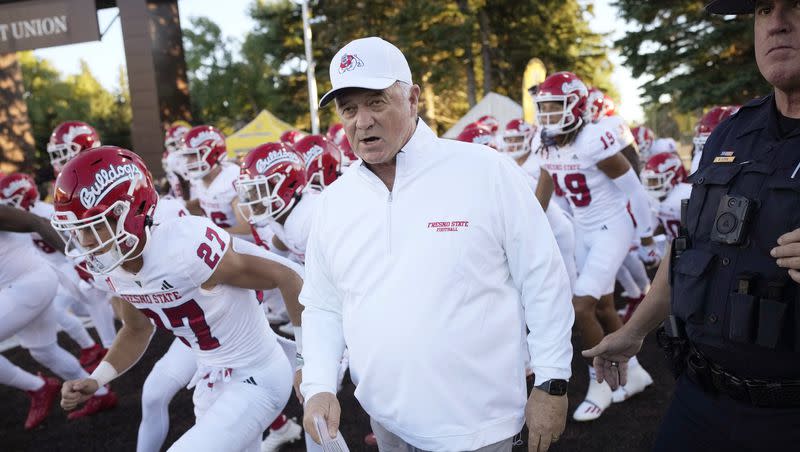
205,135
275,157
74,131
15,186
312,154
349,62
105,180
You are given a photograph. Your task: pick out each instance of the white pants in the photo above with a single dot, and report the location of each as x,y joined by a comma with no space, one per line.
564,232
169,375
26,309
231,415
599,253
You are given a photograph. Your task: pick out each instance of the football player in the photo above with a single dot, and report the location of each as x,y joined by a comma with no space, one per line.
584,162
516,144
213,192
27,288
186,275
19,190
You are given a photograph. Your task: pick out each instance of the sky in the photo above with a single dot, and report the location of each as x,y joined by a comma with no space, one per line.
105,56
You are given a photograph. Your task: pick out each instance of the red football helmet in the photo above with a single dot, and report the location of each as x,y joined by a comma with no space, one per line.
568,90
661,173
104,201
517,138
709,122
68,139
490,122
595,105
323,160
18,190
337,136
173,139
203,148
271,181
478,135
644,138
291,137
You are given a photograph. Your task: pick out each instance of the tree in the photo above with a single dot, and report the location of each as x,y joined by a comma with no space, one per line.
453,47
52,99
695,59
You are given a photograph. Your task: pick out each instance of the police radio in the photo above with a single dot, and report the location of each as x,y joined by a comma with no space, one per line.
731,220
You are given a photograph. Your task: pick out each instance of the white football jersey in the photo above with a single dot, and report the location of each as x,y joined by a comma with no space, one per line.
224,326
168,208
17,257
669,210
215,199
593,196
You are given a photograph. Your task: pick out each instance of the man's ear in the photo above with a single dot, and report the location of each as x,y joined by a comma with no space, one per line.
413,98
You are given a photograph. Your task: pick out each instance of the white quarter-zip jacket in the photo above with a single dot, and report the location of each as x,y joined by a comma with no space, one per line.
431,286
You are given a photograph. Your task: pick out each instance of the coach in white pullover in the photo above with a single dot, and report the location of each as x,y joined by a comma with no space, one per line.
427,260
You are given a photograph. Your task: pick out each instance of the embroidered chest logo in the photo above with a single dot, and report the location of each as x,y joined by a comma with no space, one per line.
448,226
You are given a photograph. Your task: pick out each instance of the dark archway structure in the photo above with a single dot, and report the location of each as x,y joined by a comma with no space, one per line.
156,68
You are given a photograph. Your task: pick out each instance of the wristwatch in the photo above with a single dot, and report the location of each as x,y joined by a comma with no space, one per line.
554,387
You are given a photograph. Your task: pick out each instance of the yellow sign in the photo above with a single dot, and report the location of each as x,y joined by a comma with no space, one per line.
535,73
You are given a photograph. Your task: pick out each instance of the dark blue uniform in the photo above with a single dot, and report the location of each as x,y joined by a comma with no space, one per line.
741,312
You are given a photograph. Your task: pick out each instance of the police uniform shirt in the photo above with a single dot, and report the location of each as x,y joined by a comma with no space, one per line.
753,332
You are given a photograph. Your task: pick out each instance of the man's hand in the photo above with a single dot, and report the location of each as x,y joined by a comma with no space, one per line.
298,378
325,406
75,392
611,356
546,416
788,253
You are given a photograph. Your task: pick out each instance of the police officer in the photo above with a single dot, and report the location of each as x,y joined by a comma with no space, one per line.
730,291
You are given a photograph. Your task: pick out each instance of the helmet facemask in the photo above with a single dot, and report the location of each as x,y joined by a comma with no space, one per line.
61,153
567,122
657,185
259,200
113,245
193,163
699,141
515,145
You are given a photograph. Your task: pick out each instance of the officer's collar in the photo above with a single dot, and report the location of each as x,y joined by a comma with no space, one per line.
761,118
765,118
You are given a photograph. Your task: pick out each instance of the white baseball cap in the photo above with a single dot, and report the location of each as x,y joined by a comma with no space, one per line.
370,63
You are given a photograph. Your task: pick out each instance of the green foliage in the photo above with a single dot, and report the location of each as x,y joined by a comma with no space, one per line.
434,36
52,99
696,60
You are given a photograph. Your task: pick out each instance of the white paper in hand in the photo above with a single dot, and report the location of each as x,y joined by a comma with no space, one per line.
329,444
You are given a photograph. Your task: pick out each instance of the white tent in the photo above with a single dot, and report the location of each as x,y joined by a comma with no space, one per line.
497,105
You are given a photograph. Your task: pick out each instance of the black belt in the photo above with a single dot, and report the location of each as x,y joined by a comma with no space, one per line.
756,392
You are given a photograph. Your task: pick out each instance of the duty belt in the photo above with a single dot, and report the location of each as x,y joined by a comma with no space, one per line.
756,392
